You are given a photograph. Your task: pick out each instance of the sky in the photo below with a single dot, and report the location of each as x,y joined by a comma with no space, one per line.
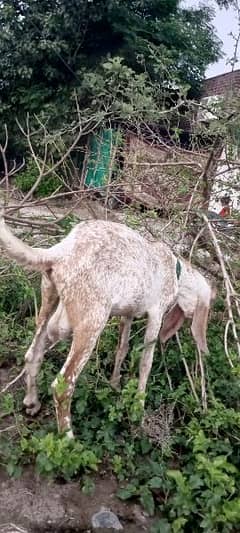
225,21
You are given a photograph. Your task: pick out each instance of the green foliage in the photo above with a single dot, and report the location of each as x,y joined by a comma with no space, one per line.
88,486
6,405
128,404
131,219
116,88
11,456
192,483
67,223
59,456
61,385
203,488
26,179
48,49
17,292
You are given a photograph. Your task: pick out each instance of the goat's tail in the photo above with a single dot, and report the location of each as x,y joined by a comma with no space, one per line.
34,258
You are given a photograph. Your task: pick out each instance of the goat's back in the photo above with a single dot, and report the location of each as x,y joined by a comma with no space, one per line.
109,261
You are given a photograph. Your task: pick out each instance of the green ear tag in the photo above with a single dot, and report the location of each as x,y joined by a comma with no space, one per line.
178,269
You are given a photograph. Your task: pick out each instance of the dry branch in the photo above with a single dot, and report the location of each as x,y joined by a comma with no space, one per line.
188,373
231,294
11,383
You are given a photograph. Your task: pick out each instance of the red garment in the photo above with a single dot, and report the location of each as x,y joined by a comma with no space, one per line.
225,211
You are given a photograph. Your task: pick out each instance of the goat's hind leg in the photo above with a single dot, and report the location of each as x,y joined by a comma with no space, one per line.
122,350
85,335
57,328
39,345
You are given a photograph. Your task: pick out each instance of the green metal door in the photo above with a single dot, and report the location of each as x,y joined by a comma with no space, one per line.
99,159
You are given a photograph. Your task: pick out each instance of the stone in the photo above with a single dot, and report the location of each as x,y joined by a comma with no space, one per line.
105,519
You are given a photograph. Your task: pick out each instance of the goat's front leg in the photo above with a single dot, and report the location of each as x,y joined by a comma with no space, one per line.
40,343
123,345
151,336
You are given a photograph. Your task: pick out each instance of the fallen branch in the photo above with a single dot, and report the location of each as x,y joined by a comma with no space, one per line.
19,376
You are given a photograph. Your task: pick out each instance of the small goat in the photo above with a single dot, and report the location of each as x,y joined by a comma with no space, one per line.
99,270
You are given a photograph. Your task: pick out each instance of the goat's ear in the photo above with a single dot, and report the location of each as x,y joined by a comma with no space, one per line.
172,322
199,326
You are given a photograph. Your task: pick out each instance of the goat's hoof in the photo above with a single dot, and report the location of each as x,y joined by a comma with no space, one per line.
33,409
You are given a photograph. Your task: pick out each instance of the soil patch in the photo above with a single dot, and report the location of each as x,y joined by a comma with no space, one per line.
39,505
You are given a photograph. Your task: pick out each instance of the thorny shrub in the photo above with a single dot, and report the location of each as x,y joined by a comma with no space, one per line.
189,478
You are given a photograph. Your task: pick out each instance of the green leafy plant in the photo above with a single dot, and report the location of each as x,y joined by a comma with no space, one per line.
26,179
6,405
59,456
202,490
88,486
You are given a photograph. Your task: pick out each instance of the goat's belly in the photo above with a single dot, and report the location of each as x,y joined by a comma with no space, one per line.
128,310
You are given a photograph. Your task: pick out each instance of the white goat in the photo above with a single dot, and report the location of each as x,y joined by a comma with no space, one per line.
99,270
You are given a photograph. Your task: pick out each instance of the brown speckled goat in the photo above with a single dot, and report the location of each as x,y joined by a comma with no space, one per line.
99,270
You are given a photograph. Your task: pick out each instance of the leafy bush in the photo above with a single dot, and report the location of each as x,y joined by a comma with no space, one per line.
18,290
206,491
26,179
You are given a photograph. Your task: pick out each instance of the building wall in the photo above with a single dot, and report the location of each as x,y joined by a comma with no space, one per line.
230,81
227,181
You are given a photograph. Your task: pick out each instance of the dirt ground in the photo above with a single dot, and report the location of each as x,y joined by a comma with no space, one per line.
38,505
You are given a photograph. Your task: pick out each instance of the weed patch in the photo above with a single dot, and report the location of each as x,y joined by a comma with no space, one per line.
180,464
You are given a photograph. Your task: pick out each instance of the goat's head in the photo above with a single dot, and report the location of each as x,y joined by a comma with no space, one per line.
194,300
